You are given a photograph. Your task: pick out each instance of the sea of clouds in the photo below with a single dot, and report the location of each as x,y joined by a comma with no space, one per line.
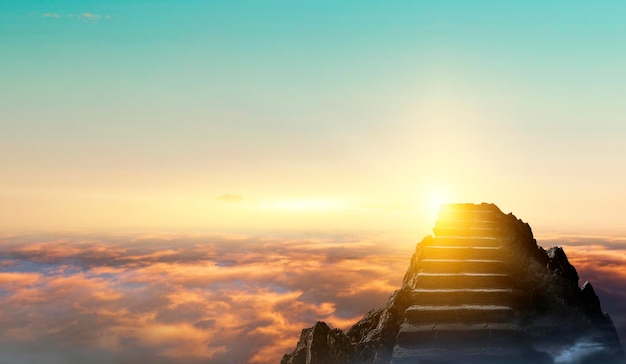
214,298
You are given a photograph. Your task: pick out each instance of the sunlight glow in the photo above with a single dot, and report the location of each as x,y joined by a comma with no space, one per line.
436,197
305,205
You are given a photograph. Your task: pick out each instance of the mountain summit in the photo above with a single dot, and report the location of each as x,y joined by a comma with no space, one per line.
479,291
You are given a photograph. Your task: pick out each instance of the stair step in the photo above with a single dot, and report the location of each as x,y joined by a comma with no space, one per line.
463,280
462,252
468,206
474,242
467,215
454,223
463,295
466,232
460,266
458,334
512,354
418,314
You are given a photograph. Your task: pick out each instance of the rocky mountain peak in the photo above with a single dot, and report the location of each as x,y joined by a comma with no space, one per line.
480,290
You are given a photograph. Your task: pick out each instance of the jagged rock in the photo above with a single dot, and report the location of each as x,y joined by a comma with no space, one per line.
319,344
374,335
560,265
590,302
480,291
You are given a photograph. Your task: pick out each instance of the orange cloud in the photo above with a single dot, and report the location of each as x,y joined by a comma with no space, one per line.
208,298
163,299
19,279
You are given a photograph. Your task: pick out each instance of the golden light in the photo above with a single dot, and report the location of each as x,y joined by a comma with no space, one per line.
305,205
436,197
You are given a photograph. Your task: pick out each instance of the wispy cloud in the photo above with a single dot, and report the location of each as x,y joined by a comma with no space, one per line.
611,242
231,198
90,16
86,16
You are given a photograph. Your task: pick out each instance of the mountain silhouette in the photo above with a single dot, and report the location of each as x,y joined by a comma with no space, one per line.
480,290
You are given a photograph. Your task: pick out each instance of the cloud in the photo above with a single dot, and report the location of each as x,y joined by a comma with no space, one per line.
90,16
212,298
193,299
578,352
607,242
86,16
230,198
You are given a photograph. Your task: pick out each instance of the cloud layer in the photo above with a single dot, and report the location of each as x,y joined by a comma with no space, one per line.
221,299
216,299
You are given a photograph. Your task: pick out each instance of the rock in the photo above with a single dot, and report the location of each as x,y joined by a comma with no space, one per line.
319,344
558,264
374,335
590,302
509,301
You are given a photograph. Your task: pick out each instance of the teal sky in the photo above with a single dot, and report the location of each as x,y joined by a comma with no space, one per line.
520,103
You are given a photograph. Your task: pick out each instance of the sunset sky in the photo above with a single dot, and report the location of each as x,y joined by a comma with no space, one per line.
326,115
180,176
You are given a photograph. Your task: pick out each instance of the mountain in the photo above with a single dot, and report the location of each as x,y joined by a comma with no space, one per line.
479,291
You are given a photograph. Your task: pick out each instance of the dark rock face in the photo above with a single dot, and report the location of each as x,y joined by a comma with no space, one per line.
480,291
320,344
374,336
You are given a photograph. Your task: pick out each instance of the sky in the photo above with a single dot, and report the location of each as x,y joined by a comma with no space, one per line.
320,116
183,179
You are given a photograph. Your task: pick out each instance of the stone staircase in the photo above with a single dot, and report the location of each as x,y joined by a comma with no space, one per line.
461,306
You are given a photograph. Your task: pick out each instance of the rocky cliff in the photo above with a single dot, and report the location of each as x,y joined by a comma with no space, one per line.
480,290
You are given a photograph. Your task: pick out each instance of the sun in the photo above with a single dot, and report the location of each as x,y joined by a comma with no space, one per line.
435,198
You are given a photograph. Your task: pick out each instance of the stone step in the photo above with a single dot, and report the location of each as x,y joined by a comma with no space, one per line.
514,354
450,223
466,232
458,335
463,280
474,242
462,252
463,266
434,297
418,314
467,215
468,207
